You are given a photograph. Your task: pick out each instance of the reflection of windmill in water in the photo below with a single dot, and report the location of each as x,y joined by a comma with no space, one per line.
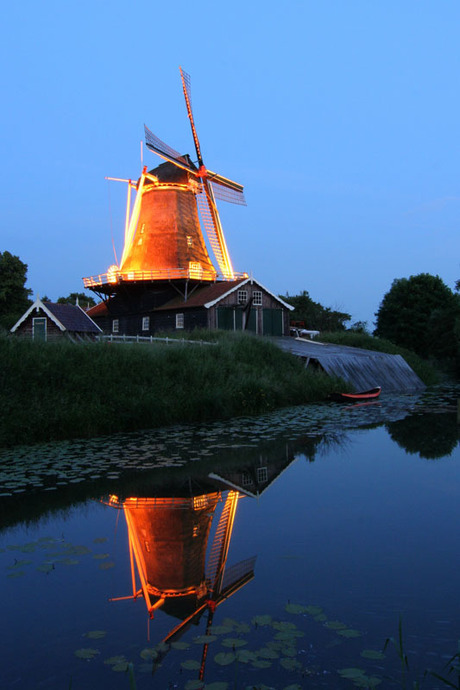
168,540
163,238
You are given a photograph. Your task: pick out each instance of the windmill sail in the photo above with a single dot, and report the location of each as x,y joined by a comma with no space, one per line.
155,144
211,221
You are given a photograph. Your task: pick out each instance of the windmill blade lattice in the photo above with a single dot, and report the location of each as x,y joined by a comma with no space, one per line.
155,144
188,101
211,222
233,196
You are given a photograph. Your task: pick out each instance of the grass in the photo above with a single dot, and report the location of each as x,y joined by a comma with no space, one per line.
52,391
424,370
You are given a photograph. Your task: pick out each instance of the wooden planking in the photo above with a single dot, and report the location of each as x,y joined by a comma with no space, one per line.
363,369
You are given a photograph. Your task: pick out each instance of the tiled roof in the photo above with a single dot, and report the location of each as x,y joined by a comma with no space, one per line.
203,295
98,310
73,318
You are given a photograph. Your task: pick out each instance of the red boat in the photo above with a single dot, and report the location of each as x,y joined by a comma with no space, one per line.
361,395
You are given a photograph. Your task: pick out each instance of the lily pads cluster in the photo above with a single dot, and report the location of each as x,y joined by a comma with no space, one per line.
47,554
52,466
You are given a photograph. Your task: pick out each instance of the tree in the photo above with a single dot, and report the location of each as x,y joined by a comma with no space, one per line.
14,296
420,313
314,315
85,301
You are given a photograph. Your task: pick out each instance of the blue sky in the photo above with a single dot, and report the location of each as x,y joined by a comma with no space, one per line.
341,118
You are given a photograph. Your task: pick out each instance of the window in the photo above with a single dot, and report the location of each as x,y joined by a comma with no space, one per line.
195,269
146,323
262,475
189,241
179,320
39,328
242,296
257,298
115,326
246,479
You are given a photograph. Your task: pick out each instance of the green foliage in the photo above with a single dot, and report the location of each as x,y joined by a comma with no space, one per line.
14,296
85,301
359,327
422,314
314,315
423,369
51,391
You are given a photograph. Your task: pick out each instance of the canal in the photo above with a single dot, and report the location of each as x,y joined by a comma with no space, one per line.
312,548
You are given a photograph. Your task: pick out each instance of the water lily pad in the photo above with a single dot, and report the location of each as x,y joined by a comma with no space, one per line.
95,634
149,654
244,656
335,625
233,642
313,610
106,565
19,564
262,620
101,556
180,645
120,667
372,654
111,661
86,653
217,685
194,685
221,629
242,628
349,632
296,686
162,647
204,639
289,651
291,664
262,663
321,617
289,635
190,665
224,658
268,653
284,625
351,672
296,608
45,567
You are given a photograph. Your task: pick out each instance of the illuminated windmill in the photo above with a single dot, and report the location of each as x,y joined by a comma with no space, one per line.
163,236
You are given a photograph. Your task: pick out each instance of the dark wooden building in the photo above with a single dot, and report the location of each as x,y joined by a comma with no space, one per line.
242,304
48,321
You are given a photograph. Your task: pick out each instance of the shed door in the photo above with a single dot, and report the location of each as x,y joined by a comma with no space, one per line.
225,318
273,322
39,328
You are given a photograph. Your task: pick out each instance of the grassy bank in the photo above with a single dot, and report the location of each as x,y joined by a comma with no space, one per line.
62,391
424,370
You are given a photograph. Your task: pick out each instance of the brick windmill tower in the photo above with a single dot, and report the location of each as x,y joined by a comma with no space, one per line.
165,251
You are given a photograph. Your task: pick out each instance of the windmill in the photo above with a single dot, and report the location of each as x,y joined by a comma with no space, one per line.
211,185
163,238
167,545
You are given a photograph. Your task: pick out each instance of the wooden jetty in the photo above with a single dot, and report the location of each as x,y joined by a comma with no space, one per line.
363,369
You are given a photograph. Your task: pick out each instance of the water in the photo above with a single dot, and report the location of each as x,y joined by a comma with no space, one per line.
352,514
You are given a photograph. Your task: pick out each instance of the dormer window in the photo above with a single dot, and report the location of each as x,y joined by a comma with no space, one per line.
242,296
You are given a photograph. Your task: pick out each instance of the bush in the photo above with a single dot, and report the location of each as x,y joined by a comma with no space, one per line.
51,391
